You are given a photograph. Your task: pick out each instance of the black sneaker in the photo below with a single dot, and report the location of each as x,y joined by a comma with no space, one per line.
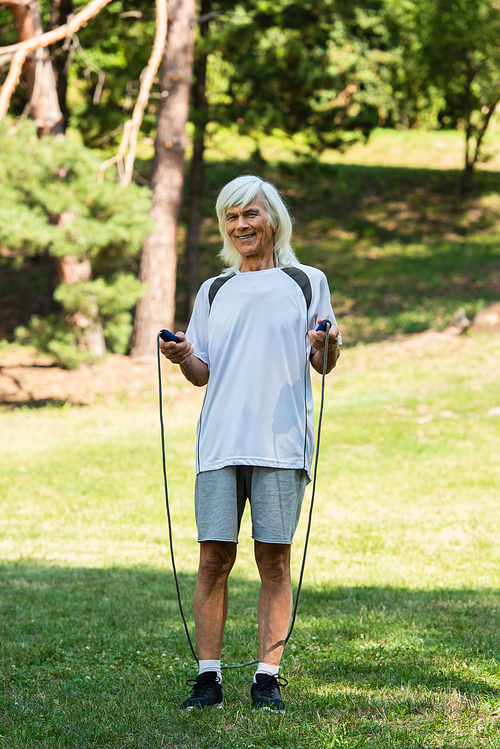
206,691
266,693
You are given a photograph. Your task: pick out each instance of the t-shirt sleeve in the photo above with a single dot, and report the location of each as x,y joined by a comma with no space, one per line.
321,304
197,331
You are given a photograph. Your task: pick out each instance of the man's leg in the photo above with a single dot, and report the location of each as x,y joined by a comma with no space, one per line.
274,612
275,600
210,598
210,612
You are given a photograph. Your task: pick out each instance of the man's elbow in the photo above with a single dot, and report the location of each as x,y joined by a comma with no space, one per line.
200,382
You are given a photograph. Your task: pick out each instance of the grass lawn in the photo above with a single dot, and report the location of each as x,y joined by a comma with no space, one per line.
397,641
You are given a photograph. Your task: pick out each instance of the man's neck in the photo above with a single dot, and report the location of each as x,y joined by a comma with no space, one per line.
253,264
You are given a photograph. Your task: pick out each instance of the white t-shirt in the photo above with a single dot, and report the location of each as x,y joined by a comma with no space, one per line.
258,406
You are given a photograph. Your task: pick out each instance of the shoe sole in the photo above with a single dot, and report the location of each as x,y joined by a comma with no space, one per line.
218,706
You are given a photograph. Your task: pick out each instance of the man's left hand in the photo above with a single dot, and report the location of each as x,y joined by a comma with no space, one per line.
318,341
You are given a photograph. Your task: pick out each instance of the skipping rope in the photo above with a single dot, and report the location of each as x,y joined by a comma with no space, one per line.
326,325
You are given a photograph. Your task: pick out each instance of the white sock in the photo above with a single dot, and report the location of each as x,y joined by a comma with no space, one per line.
266,668
210,666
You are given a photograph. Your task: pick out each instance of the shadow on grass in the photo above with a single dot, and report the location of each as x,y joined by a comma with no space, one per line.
92,657
8,404
371,624
380,203
417,639
401,247
22,397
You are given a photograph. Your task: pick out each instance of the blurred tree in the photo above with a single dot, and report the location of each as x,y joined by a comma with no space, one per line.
73,268
83,300
60,11
466,69
452,67
315,67
107,60
51,205
200,118
38,69
98,68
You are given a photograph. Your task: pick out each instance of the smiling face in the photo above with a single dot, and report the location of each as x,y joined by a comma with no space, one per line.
249,230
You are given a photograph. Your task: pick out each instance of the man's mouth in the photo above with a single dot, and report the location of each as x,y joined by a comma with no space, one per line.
246,236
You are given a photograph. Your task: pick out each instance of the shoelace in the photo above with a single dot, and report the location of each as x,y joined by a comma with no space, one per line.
266,687
201,689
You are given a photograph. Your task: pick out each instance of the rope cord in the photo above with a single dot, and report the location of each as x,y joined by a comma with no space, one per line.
167,503
313,492
309,522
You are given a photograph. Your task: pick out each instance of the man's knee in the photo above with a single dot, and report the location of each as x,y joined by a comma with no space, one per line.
273,561
216,559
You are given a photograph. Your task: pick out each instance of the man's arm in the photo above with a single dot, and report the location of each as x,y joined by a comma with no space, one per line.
318,341
193,369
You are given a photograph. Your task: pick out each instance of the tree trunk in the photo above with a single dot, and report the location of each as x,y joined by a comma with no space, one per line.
468,172
74,270
60,10
467,178
38,72
197,171
159,256
471,161
71,270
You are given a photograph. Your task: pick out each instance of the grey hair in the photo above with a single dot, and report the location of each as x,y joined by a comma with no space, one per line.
241,192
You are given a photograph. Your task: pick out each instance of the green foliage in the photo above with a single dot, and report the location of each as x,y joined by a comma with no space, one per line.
318,68
97,300
321,68
105,61
459,54
333,71
54,336
113,300
52,204
448,76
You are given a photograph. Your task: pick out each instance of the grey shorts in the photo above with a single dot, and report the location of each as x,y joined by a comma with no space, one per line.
275,496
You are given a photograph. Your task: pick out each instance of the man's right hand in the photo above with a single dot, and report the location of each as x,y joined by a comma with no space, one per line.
181,353
177,353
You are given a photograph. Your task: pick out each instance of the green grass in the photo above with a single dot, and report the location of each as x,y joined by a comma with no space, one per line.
397,640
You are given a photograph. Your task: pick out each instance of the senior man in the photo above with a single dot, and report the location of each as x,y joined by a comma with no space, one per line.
250,340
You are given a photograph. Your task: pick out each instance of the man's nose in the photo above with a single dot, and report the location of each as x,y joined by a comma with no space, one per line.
242,221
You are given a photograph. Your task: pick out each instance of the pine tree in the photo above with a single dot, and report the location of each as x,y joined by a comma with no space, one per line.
52,204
